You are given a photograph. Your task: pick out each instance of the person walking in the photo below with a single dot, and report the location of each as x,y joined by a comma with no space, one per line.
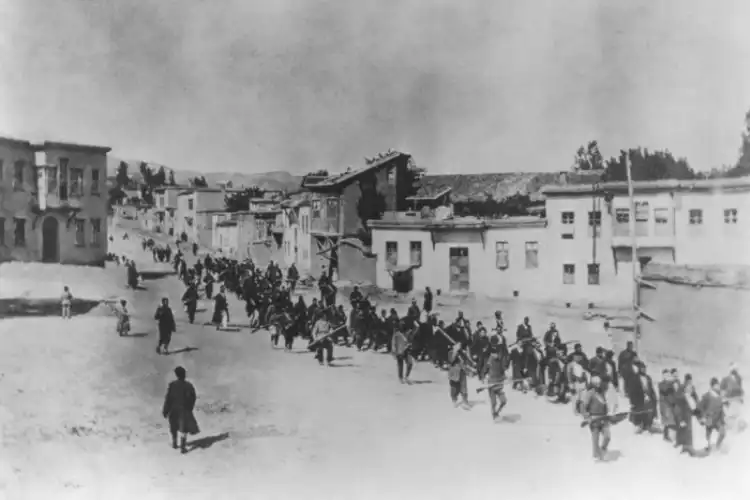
179,404
165,318
65,302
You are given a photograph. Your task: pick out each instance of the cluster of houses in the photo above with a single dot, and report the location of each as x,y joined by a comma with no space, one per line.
53,208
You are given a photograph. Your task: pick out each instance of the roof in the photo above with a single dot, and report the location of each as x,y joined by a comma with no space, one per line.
427,193
295,203
347,177
621,187
401,220
72,146
14,142
263,200
212,211
167,188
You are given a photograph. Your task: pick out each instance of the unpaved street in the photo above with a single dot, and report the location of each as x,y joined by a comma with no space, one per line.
81,415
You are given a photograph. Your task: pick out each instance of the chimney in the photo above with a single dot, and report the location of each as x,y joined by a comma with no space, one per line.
564,178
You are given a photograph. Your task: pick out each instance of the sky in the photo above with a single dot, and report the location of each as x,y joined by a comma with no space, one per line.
464,86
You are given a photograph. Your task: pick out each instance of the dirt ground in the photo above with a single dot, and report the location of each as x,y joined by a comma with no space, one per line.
80,412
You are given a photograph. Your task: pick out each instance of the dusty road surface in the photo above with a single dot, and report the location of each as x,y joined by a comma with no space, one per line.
80,414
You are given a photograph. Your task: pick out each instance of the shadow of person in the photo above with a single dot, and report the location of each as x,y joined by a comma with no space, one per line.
510,418
207,442
611,456
136,335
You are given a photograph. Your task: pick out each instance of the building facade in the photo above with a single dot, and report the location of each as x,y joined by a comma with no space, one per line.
191,202
341,207
496,258
53,202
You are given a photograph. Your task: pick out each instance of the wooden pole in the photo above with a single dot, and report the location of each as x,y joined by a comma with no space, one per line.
634,245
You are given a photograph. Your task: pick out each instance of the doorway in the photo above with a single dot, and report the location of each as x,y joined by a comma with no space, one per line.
50,240
459,269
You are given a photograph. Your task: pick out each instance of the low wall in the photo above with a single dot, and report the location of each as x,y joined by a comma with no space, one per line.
716,276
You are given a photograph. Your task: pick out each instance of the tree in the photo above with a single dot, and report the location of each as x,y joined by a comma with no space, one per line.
145,172
171,180
159,178
116,194
648,165
198,182
742,167
588,158
122,178
240,201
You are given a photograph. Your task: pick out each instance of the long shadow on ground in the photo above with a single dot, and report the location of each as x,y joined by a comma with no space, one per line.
43,307
207,441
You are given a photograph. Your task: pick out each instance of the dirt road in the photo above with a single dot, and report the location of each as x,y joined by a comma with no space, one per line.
81,419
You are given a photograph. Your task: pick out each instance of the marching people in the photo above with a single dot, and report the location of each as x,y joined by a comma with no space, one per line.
597,411
427,303
190,300
321,335
642,396
457,377
220,316
292,277
401,350
178,407
167,326
494,371
666,404
712,415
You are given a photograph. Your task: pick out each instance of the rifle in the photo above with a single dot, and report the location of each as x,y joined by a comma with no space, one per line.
468,359
312,345
613,419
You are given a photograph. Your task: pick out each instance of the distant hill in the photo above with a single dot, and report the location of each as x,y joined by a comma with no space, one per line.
479,187
267,180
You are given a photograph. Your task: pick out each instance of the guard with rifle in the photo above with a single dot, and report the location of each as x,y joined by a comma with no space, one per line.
322,343
457,376
401,345
494,370
597,413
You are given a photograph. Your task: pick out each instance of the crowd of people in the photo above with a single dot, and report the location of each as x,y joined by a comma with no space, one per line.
546,365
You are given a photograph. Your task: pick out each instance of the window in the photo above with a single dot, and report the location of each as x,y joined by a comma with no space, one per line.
415,253
2,231
662,227
696,217
568,222
593,273
730,216
19,232
316,208
96,230
391,254
569,274
190,204
52,180
392,176
622,215
80,232
95,183
502,260
76,182
532,254
18,176
63,178
595,223
641,211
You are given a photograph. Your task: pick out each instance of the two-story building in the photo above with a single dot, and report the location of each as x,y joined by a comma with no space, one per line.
195,207
492,257
165,208
53,202
341,207
295,242
685,223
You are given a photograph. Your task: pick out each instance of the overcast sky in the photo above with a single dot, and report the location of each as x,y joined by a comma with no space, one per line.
465,86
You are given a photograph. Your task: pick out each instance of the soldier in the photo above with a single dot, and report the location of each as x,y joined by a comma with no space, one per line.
494,370
167,326
320,333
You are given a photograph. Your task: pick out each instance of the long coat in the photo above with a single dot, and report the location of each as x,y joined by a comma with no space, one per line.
683,414
166,321
642,398
179,404
666,403
220,306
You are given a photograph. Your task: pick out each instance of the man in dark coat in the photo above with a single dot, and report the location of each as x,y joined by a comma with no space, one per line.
427,305
597,364
524,330
624,362
292,276
190,299
666,403
167,325
642,396
178,409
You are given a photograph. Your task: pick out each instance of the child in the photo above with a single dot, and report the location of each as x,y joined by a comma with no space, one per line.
66,299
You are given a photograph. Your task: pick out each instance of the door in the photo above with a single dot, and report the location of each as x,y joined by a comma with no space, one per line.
50,240
459,269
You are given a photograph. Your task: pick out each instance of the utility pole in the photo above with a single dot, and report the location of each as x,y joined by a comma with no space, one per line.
635,262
